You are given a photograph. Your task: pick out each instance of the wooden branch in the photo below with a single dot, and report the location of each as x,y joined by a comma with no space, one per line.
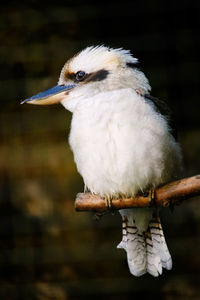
169,194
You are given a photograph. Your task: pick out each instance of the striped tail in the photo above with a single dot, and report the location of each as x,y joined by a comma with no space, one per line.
147,250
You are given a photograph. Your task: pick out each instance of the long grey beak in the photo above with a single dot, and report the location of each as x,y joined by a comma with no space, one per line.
51,96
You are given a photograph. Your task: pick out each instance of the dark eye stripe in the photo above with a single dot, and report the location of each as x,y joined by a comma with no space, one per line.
98,76
81,76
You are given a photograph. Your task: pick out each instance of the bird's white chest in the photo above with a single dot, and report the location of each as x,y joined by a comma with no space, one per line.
120,144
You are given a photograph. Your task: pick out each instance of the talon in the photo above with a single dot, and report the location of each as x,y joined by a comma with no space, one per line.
151,197
108,201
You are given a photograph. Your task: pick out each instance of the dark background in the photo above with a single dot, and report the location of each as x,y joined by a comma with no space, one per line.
48,251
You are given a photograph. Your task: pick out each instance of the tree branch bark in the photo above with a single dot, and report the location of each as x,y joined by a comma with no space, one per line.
170,194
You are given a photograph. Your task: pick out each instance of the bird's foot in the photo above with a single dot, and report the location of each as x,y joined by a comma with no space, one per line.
108,200
151,197
109,209
151,194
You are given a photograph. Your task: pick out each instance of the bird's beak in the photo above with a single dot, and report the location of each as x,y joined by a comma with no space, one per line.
51,96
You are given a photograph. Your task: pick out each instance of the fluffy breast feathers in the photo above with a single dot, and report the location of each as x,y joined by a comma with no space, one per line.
121,144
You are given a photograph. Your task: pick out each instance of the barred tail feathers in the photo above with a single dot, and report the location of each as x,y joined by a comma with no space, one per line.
147,251
133,243
159,243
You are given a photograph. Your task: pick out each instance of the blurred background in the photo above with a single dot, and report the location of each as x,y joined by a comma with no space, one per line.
47,250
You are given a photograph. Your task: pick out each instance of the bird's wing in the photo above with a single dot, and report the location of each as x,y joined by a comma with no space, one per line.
162,108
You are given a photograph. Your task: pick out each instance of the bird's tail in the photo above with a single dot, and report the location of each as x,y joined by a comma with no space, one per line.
147,251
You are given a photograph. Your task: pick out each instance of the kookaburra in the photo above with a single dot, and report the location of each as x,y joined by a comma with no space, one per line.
122,143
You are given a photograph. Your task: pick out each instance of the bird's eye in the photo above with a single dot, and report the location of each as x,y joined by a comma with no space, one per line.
80,75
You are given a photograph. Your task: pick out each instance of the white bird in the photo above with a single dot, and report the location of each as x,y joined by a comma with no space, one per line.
122,144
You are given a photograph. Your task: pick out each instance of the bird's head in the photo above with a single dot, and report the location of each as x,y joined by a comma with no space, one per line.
92,71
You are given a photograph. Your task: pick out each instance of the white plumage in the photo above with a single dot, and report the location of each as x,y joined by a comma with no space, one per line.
122,145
